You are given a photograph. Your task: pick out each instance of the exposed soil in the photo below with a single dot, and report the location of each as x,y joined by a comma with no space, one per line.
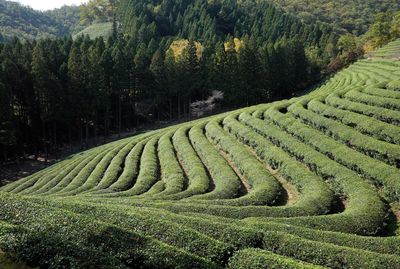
245,185
393,222
340,205
290,193
185,173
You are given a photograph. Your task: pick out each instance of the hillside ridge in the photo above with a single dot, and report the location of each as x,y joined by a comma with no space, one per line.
26,23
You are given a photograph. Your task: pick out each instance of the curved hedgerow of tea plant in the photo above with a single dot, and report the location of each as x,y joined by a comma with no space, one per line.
309,182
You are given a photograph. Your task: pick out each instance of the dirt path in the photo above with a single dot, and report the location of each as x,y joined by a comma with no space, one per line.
245,184
291,194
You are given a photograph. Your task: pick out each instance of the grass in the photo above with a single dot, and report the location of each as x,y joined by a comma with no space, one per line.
96,30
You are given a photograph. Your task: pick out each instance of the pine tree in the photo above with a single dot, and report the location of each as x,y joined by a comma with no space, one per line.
232,88
157,69
191,84
250,72
75,75
172,80
119,69
44,81
7,126
106,65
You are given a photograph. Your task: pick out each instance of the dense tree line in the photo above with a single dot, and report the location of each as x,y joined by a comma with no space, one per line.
385,28
96,11
68,16
27,23
55,91
345,16
211,21
162,56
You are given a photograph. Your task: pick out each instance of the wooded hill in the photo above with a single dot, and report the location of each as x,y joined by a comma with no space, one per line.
61,90
58,90
26,23
345,16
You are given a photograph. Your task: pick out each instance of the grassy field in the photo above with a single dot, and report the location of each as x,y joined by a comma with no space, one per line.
97,30
310,182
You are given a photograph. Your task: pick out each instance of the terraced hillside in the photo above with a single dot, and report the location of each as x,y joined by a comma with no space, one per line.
390,51
309,182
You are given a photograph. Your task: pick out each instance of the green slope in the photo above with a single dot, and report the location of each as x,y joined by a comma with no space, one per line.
391,51
97,30
308,182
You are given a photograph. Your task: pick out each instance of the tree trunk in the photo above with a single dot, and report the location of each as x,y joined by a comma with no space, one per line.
70,136
184,108
44,142
80,134
55,139
5,155
95,130
105,128
134,123
87,135
170,109
189,112
179,108
129,115
119,115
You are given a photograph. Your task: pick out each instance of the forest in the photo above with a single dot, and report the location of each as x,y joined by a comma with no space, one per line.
56,91
162,57
345,16
26,23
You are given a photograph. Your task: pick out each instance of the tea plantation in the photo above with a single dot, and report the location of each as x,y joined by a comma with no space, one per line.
310,182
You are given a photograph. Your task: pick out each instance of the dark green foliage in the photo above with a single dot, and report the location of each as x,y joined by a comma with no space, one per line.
80,89
69,16
66,240
256,258
345,16
26,23
76,90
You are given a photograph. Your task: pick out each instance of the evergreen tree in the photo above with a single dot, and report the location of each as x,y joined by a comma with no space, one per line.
7,127
250,72
119,69
172,85
42,81
160,92
190,75
232,91
76,81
